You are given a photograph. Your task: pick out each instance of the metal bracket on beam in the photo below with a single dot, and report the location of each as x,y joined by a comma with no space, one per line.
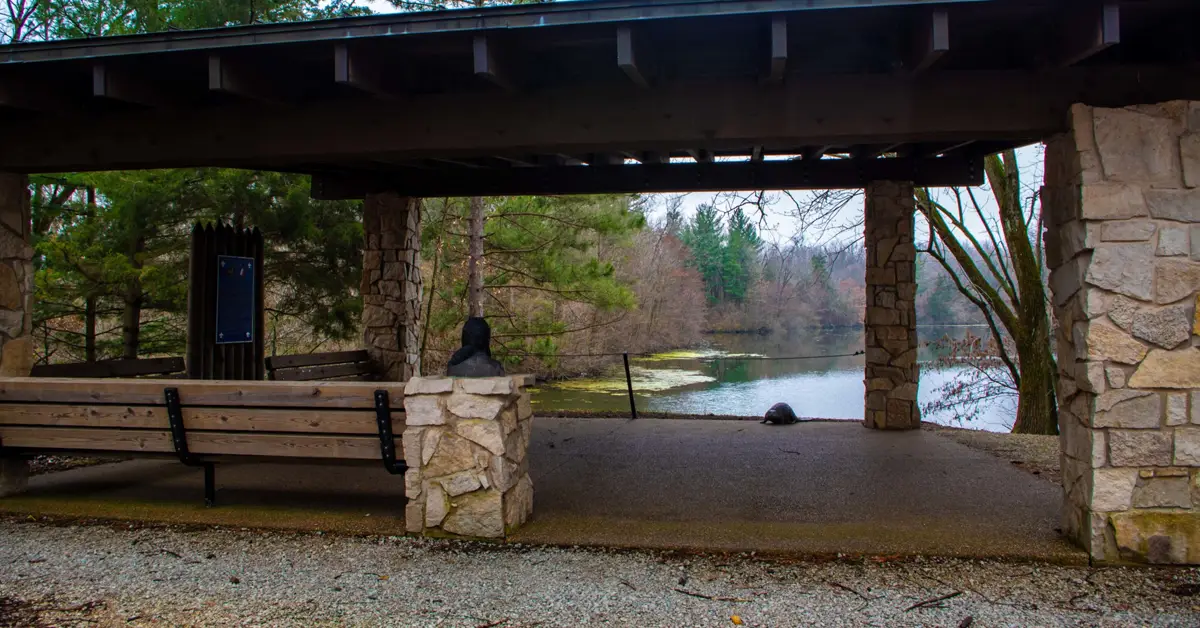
387,440
179,439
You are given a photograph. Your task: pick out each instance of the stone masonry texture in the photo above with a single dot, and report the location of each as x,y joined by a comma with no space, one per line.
466,442
1121,208
391,284
16,302
891,329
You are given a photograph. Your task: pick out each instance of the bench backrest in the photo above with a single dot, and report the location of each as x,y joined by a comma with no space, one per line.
244,418
321,366
142,367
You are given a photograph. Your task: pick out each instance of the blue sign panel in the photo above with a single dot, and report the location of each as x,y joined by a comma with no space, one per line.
235,299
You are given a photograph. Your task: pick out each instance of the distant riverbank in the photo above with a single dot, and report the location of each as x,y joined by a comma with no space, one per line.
744,374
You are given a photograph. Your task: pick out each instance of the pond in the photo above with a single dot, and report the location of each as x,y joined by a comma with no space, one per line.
721,380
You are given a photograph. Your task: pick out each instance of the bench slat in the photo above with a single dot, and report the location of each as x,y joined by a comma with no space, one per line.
323,372
231,419
198,392
228,443
316,359
81,438
112,368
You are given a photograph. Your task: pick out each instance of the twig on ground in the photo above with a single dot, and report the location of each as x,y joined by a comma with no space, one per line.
790,451
932,601
715,598
852,590
492,624
626,583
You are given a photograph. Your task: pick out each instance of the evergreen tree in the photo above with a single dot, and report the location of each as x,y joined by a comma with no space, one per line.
741,257
540,256
704,237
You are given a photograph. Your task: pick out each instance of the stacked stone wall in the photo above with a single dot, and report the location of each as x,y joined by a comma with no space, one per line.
1121,206
466,442
391,284
891,320
16,303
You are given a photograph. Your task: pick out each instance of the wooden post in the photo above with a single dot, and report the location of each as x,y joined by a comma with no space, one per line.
629,386
206,359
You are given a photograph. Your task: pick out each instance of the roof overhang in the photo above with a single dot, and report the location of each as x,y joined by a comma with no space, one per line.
598,96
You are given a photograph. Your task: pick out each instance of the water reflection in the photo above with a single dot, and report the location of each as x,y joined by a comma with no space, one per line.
817,387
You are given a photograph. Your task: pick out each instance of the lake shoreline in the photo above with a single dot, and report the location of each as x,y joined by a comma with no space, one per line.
742,375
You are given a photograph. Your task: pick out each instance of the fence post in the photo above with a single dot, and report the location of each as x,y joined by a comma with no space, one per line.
629,385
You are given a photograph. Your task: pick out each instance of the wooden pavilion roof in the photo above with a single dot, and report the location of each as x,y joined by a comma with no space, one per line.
598,96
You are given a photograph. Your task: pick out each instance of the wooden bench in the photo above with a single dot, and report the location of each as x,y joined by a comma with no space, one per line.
203,422
336,365
142,367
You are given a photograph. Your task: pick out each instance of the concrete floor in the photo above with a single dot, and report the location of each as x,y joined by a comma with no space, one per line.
811,488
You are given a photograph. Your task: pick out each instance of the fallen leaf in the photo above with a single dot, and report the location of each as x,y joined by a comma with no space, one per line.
234,580
736,619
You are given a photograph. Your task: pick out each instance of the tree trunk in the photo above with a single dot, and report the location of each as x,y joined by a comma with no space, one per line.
1037,411
89,328
475,259
131,320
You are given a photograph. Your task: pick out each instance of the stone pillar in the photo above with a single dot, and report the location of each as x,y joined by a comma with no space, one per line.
16,304
1121,205
891,325
465,443
391,284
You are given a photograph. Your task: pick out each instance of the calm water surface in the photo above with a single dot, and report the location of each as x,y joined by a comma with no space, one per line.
716,381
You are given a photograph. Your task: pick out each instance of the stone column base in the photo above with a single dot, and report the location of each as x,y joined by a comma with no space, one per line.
14,476
465,443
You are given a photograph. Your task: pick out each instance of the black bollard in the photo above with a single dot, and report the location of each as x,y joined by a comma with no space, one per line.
629,385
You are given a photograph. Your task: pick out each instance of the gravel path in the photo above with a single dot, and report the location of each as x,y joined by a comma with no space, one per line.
114,575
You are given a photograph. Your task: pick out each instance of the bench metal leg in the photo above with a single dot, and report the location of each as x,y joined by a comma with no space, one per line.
210,485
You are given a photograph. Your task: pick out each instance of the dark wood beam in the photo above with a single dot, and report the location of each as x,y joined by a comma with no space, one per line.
943,149
654,158
770,175
779,50
756,153
931,40
358,70
523,162
31,94
721,115
486,67
627,58
237,78
881,150
701,156
606,159
115,83
816,152
1090,29
456,163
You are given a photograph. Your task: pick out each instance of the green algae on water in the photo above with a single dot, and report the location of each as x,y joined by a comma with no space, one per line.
696,354
644,380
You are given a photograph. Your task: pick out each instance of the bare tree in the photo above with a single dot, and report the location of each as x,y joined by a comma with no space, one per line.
1003,276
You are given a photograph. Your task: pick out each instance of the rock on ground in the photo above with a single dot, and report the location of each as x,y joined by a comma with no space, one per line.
122,575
